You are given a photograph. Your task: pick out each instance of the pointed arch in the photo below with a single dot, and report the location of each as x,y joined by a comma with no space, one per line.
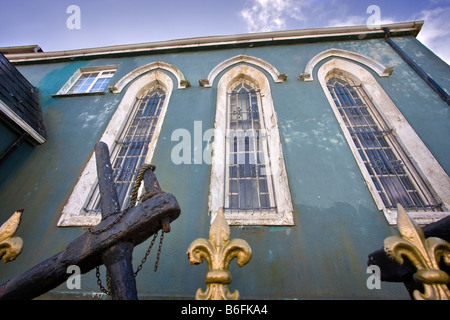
369,97
257,90
379,68
74,213
276,76
131,76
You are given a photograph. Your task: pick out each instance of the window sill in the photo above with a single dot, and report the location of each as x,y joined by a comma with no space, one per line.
267,218
421,218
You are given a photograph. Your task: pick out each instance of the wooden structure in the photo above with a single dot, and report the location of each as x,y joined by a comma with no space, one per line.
111,242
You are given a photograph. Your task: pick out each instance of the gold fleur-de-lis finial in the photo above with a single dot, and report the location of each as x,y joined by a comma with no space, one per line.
425,255
218,251
10,246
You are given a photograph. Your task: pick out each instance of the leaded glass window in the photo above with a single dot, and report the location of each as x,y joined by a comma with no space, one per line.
132,147
393,174
248,183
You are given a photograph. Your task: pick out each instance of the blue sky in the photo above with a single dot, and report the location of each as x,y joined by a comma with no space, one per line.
115,22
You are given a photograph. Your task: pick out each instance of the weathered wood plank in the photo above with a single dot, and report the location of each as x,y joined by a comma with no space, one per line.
135,226
118,259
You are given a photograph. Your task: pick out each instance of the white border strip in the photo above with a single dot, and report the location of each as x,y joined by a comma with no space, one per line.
414,26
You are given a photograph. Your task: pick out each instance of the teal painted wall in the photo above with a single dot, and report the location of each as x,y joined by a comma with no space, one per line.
12,160
336,221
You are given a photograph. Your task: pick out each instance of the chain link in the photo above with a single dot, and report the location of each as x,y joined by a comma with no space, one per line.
159,250
109,226
135,189
99,281
133,198
144,259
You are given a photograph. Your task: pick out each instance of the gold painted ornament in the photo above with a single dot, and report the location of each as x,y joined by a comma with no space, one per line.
10,246
425,255
218,251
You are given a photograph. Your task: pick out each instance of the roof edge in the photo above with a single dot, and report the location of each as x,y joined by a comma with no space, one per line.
33,48
414,27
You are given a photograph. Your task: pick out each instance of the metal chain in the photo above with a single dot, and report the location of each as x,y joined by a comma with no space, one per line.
144,259
158,255
133,198
109,226
99,281
146,255
134,195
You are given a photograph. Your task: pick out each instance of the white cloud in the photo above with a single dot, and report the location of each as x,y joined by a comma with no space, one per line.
271,15
348,21
356,21
435,33
368,17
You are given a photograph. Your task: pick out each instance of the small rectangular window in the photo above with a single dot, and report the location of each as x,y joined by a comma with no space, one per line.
92,82
88,80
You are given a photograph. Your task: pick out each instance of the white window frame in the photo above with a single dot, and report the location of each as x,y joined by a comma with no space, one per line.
283,216
265,151
73,213
67,87
94,199
427,166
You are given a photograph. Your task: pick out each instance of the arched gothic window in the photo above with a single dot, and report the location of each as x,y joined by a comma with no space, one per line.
248,177
131,136
132,147
395,163
248,183
394,176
